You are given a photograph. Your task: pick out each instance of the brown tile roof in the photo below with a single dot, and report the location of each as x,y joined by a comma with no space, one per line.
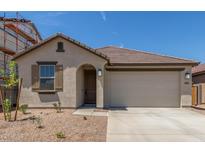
23,52
120,56
198,69
116,55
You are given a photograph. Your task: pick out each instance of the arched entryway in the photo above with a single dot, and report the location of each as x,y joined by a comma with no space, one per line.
86,85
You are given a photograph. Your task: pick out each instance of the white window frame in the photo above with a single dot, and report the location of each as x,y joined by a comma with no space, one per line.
47,77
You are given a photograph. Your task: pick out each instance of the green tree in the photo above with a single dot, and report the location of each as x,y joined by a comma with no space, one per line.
10,81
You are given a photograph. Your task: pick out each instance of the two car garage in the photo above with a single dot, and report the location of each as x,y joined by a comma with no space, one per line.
144,88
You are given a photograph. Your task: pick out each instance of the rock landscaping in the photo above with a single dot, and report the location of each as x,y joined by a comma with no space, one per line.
47,125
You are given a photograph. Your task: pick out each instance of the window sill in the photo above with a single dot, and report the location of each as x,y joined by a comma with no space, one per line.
46,91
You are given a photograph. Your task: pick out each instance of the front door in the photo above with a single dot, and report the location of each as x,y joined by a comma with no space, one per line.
90,86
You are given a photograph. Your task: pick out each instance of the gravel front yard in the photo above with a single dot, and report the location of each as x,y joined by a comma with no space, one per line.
74,127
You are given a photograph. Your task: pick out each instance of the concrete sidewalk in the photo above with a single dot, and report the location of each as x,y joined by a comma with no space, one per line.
156,124
90,111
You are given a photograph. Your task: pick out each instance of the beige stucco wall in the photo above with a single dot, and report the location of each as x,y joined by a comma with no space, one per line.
80,86
73,57
186,88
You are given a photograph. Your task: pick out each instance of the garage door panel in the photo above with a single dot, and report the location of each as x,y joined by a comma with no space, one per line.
144,89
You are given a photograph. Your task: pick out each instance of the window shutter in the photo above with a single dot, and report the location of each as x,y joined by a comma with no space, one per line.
35,77
59,78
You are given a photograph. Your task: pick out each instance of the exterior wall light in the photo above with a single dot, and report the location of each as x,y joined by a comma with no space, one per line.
99,72
187,75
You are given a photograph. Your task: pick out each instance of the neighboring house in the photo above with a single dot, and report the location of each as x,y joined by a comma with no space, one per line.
198,74
63,69
198,80
15,35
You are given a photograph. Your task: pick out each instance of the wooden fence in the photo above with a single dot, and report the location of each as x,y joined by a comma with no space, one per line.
194,95
198,94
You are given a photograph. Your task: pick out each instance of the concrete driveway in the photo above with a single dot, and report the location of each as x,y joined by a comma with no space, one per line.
156,124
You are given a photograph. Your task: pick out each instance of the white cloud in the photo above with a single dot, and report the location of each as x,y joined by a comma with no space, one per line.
103,15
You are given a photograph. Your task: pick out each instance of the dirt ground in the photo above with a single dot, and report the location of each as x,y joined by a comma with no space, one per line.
74,127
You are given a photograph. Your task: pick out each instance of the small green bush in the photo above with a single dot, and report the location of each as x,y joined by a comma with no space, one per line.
23,108
57,107
39,122
7,109
60,135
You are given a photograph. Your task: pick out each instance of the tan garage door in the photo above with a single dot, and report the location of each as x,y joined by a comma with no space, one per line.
144,89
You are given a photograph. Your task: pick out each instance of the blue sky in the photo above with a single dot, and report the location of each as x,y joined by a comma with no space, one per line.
180,34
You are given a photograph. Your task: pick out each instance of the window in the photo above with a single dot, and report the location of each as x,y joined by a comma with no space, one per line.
60,47
47,77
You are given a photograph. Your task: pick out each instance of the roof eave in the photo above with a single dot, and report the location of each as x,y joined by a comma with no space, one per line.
198,73
153,64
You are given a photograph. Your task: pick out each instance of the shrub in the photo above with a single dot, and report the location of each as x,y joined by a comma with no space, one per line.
60,135
7,109
39,121
10,81
57,107
23,108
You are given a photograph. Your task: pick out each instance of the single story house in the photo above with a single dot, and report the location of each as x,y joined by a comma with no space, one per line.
61,69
